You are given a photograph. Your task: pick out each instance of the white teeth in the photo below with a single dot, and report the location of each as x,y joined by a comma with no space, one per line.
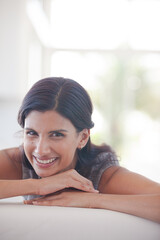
46,161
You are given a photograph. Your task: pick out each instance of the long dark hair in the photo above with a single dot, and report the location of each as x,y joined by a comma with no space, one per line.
68,98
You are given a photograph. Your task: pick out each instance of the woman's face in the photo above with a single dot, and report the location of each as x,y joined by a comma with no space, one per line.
50,142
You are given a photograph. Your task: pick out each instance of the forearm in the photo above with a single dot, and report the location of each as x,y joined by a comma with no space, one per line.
145,206
44,186
12,188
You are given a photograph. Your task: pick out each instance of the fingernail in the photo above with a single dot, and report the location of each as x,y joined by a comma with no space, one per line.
96,191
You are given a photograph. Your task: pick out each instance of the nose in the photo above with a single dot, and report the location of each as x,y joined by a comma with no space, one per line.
42,147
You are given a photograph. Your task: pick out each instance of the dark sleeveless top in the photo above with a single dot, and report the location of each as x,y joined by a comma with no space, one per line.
92,172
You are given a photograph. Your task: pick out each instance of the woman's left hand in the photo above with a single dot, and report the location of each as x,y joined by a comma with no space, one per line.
66,198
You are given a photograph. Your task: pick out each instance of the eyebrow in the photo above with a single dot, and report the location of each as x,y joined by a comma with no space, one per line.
57,130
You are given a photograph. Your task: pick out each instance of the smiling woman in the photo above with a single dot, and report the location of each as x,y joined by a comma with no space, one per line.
58,161
50,147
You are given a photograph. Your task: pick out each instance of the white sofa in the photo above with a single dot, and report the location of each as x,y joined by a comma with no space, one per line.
28,222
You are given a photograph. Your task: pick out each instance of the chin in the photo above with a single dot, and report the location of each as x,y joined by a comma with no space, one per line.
43,174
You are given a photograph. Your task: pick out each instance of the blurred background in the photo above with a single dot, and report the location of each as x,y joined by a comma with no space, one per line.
111,47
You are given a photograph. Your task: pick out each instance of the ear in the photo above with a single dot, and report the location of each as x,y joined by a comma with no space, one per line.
84,136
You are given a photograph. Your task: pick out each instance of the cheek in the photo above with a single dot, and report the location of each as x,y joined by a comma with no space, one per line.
28,147
66,148
68,151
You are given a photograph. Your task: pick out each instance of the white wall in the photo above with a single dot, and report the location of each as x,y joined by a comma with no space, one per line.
12,44
23,60
16,36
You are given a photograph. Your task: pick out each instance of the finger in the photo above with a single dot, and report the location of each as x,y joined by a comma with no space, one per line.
80,182
42,203
31,200
27,201
47,203
82,179
84,187
45,198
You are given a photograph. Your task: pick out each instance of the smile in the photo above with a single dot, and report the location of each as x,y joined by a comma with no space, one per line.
46,161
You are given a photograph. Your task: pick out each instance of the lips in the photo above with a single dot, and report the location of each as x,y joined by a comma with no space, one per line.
46,162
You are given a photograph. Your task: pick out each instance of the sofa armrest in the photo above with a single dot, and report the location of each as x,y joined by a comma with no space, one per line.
19,221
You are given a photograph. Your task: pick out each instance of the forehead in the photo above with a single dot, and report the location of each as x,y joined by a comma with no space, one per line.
49,119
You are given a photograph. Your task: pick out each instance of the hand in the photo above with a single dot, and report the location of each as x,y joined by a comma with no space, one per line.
66,198
67,179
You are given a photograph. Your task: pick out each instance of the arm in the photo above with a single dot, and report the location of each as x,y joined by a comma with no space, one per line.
120,190
145,206
130,193
11,183
118,180
11,174
12,188
68,179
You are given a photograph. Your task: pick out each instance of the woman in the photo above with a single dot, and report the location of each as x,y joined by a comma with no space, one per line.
58,165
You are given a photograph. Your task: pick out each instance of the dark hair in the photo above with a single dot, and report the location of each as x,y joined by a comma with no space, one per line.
68,98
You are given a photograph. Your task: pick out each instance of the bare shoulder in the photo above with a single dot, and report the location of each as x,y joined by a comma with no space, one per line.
119,180
10,163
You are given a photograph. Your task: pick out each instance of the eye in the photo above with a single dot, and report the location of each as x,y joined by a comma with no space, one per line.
31,133
57,134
